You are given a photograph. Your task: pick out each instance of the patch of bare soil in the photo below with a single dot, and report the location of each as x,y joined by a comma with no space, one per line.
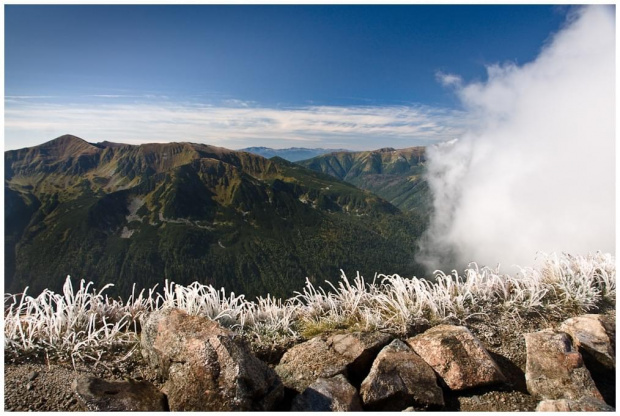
41,387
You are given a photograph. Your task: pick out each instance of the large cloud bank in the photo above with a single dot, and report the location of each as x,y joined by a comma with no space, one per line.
537,173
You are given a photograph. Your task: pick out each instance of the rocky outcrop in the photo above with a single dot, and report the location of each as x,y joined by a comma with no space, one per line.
457,356
587,404
333,394
99,395
206,367
325,357
554,370
398,379
593,335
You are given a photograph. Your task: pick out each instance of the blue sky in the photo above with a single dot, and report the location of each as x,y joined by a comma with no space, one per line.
358,77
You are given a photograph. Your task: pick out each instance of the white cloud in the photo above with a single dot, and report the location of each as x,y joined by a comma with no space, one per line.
448,80
235,125
536,170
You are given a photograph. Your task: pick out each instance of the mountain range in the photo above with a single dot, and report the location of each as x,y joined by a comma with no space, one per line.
395,175
292,154
124,214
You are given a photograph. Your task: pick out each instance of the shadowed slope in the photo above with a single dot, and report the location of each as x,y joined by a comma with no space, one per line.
121,214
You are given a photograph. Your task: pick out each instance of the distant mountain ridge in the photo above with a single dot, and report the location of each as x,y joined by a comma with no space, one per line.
292,154
125,214
396,175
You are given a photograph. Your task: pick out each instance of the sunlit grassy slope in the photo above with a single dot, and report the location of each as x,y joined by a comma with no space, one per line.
397,175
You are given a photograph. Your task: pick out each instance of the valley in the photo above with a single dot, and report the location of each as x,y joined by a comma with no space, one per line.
126,215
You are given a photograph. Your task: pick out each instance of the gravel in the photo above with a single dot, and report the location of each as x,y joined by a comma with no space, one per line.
39,387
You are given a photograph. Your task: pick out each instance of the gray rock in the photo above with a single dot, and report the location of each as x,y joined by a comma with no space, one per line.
594,335
326,357
399,378
587,404
33,375
334,394
99,395
457,356
554,370
206,367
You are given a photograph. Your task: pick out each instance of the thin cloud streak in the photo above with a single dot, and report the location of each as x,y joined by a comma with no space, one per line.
362,127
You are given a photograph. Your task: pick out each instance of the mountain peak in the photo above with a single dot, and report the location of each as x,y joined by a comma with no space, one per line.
65,139
67,145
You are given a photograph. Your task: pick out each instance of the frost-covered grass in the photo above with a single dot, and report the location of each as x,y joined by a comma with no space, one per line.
84,324
80,324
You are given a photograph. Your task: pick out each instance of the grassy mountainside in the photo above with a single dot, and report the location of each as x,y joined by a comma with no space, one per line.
115,213
395,175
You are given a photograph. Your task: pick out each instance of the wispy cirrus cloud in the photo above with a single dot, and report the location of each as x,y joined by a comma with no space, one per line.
232,124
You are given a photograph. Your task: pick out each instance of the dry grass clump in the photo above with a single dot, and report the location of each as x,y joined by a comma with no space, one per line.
86,325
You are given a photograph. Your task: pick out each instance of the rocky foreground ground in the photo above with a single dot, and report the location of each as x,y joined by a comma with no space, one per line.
191,363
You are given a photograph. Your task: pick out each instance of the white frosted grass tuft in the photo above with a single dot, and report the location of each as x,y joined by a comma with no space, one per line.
84,324
78,324
205,300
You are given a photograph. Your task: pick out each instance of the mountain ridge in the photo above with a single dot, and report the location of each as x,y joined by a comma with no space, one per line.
187,211
396,175
292,154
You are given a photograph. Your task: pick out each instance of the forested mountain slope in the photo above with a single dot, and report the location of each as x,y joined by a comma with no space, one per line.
123,214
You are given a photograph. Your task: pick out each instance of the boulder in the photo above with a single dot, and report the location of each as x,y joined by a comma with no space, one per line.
593,335
554,370
398,379
457,356
206,367
587,404
301,365
326,357
333,394
99,395
359,349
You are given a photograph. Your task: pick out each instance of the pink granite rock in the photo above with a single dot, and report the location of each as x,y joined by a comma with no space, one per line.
554,370
325,357
585,405
457,356
206,367
594,335
398,379
333,394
